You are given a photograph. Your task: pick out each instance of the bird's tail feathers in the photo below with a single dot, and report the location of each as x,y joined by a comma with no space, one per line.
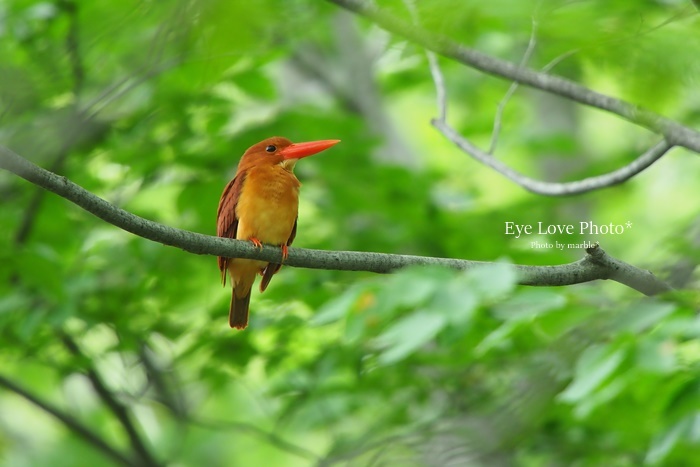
240,299
238,313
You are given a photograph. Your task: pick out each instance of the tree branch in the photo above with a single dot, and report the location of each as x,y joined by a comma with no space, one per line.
585,270
673,132
117,408
624,273
536,186
71,423
168,390
550,188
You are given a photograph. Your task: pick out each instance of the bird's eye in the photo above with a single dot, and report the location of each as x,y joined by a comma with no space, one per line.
271,148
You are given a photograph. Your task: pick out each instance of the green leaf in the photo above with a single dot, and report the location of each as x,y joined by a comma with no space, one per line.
14,302
408,335
529,304
593,367
410,287
641,315
493,281
685,400
520,309
496,338
655,356
664,442
456,300
335,309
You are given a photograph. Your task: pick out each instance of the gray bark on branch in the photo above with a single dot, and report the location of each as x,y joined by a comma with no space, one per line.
540,187
595,265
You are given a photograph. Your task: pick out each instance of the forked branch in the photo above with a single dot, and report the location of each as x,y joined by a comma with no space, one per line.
436,44
673,132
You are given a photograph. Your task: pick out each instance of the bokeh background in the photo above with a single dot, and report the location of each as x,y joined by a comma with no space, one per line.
150,104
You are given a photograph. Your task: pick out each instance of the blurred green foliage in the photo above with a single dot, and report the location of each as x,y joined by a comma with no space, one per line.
150,105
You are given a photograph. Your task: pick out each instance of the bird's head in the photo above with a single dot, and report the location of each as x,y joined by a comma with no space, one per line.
281,151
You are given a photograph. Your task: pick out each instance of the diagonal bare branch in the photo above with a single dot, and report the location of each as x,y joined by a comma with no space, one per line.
672,131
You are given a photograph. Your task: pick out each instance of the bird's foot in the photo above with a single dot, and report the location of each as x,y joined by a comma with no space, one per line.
257,243
285,252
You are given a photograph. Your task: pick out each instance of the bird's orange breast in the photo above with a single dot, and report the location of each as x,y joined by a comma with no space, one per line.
268,206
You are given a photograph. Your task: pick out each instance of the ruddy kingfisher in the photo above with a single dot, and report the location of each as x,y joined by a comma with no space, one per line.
261,204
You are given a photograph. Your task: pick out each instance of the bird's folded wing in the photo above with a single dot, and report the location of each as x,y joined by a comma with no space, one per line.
226,220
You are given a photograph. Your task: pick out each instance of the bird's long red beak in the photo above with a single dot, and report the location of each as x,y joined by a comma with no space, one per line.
299,150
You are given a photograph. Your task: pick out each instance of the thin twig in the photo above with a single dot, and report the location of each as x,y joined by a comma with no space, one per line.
439,80
169,394
573,273
71,423
551,188
116,407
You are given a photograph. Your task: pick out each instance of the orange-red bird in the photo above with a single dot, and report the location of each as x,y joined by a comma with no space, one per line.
261,204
